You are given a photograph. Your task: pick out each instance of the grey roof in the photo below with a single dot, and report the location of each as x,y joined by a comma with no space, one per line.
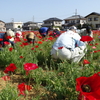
93,13
30,22
53,19
75,17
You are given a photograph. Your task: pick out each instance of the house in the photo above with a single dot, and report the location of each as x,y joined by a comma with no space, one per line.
2,26
52,22
93,19
30,25
13,25
74,20
39,24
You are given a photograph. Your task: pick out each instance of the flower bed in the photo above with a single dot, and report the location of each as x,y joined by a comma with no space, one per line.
30,73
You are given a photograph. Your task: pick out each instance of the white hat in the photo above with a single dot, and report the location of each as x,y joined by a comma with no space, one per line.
72,27
11,33
58,29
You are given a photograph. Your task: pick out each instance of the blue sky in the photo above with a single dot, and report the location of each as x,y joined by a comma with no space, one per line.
39,10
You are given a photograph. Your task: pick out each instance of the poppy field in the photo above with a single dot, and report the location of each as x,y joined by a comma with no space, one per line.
28,72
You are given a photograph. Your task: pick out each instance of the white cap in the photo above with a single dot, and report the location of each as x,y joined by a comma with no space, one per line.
72,27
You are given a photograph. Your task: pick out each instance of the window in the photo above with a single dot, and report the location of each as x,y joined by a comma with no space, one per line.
78,21
66,21
95,18
97,25
89,19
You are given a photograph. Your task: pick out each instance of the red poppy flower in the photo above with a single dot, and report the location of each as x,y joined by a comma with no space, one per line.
17,35
89,87
60,47
90,44
29,66
86,38
10,49
25,39
39,42
23,87
32,48
96,43
6,43
95,51
25,44
17,39
51,38
36,46
21,57
86,62
8,37
6,78
1,39
12,67
40,37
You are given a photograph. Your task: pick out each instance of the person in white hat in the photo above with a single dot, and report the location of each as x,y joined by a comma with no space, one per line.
18,34
8,36
68,46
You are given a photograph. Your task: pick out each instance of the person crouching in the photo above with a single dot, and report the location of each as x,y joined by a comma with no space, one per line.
7,38
68,46
30,37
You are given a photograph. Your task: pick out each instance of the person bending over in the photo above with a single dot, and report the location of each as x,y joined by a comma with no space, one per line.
44,31
31,37
68,46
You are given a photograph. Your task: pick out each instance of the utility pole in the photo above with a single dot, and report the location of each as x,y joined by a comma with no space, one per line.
33,18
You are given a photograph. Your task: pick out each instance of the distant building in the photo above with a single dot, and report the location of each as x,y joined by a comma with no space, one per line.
2,26
39,24
13,25
52,22
93,19
29,25
74,20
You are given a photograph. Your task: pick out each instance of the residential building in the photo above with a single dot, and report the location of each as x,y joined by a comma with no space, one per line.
52,22
39,24
74,20
29,25
2,26
14,25
93,19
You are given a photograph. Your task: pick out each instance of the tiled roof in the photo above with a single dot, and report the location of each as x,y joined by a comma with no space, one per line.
53,19
74,17
93,13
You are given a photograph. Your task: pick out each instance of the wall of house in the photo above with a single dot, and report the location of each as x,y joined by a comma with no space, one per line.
13,25
91,20
57,23
2,26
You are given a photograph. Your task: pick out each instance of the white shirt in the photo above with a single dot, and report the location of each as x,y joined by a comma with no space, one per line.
67,39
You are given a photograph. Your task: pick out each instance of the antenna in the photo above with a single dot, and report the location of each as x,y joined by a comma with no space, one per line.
76,12
12,19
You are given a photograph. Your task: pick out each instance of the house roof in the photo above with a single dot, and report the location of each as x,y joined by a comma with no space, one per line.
93,13
53,19
2,21
30,22
75,17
